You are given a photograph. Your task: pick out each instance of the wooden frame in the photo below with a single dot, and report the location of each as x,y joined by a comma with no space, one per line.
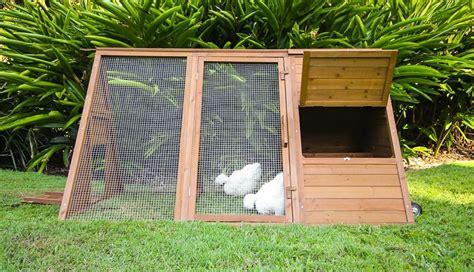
196,141
363,75
319,190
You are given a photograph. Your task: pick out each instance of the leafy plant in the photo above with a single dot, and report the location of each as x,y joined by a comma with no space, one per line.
44,72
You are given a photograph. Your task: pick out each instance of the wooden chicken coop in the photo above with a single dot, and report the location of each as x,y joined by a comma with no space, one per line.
299,135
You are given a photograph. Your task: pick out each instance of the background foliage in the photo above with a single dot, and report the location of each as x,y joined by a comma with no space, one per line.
43,72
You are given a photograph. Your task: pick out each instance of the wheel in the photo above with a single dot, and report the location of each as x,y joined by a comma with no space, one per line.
416,208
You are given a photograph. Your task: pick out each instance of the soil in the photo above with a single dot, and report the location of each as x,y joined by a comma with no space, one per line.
430,161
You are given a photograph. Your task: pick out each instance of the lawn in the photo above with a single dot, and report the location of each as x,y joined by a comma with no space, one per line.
32,238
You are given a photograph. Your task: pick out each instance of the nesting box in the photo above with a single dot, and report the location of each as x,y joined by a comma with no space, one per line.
276,136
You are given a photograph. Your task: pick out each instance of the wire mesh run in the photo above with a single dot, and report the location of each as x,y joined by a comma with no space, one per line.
240,140
129,164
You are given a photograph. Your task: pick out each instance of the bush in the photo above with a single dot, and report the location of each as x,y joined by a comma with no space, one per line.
44,73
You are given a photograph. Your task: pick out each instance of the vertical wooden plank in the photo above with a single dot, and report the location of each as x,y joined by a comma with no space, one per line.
304,77
294,145
184,144
398,156
389,77
80,140
193,175
284,148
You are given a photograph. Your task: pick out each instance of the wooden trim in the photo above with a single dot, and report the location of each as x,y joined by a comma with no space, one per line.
183,144
399,159
389,77
342,103
352,192
185,52
230,58
351,161
355,53
304,79
284,134
242,218
354,204
196,144
344,169
145,53
42,200
294,146
355,217
193,177
300,51
78,147
374,180
192,50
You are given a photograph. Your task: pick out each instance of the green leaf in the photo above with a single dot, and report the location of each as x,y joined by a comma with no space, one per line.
35,119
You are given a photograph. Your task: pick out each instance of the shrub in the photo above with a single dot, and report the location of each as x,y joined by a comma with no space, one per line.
44,71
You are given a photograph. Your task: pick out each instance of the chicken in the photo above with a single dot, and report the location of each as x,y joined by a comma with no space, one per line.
270,199
221,179
241,182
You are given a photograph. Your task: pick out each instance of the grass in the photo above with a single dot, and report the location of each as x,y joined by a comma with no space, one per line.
31,237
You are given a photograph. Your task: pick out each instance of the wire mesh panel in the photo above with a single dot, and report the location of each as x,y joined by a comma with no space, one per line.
129,164
240,155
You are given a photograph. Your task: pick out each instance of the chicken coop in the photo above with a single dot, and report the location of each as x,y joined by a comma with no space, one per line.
273,136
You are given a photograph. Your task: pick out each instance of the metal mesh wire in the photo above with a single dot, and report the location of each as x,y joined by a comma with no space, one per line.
240,125
129,164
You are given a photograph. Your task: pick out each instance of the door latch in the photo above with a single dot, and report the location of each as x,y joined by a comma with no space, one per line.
289,189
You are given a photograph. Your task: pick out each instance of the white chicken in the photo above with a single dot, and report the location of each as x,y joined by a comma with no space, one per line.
221,179
270,199
241,182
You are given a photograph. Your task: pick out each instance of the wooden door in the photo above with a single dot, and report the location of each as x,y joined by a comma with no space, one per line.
240,141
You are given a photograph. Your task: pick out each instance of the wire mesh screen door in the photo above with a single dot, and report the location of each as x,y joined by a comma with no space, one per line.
128,159
242,162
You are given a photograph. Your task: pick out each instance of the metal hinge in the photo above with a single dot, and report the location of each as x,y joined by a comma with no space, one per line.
283,74
290,189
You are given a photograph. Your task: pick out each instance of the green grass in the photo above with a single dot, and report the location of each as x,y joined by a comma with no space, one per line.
32,238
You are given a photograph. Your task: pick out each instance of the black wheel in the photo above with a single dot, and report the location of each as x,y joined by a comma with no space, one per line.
416,208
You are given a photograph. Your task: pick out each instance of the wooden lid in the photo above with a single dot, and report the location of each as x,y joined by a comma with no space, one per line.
339,78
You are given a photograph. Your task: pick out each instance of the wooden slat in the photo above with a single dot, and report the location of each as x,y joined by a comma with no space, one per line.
352,62
347,72
241,218
351,180
339,155
56,194
345,95
42,200
352,161
182,186
298,61
285,137
352,192
294,147
349,169
355,103
80,140
352,53
355,217
345,84
313,204
389,77
304,79
398,156
325,51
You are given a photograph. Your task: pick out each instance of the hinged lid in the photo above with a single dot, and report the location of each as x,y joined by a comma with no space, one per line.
347,78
